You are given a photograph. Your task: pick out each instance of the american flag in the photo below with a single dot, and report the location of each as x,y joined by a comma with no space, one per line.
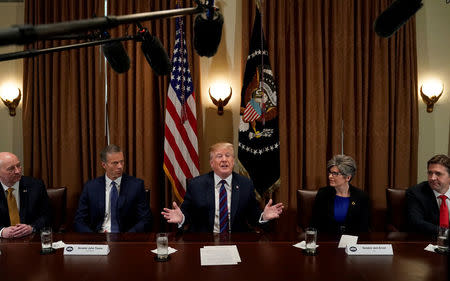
252,111
180,134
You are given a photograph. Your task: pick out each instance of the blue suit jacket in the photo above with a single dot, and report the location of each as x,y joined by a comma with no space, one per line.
34,204
133,209
422,209
199,204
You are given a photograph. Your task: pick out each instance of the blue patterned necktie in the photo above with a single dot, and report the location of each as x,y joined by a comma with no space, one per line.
223,208
113,204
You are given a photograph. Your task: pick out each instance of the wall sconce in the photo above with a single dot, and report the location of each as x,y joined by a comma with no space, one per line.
430,92
11,97
219,91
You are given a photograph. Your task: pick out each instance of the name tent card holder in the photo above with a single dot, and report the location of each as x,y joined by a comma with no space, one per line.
86,250
369,250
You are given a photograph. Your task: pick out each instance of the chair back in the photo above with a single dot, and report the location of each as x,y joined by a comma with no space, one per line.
58,203
305,202
396,209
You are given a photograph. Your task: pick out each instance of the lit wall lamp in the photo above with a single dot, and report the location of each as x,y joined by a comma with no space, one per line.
430,92
11,97
219,96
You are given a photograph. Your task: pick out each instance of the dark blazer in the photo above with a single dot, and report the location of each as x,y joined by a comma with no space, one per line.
422,209
133,209
34,204
356,221
199,204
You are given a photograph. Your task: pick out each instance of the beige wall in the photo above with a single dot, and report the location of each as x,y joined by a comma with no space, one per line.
433,59
11,72
433,55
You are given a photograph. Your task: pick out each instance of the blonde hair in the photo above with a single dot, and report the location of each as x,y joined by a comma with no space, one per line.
226,145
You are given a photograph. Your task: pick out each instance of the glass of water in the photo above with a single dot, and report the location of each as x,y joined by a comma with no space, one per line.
162,246
442,239
46,240
311,239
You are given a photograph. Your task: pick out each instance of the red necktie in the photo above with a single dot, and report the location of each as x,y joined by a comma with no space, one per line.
443,212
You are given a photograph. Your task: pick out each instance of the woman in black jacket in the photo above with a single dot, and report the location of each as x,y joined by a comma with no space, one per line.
341,208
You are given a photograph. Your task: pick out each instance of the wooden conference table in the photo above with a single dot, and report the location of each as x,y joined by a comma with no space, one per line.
263,258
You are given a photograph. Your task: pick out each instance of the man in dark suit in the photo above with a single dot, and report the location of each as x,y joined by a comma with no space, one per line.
114,202
428,202
24,204
220,201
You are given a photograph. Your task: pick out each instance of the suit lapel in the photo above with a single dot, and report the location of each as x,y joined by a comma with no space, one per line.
123,193
234,198
211,199
100,192
4,206
23,193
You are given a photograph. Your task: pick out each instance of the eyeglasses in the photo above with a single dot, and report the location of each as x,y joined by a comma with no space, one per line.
334,174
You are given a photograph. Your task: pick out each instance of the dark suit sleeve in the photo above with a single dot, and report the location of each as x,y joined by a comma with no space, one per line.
80,223
43,208
254,212
143,213
416,213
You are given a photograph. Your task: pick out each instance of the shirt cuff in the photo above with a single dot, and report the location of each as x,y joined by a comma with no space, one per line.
1,231
261,220
180,225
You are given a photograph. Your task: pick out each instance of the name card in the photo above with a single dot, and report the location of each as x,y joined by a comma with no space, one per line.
369,250
86,250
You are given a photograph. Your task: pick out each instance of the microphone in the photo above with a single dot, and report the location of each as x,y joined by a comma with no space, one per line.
154,52
115,54
395,16
208,32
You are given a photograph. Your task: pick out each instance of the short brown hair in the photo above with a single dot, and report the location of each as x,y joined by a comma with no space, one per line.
441,159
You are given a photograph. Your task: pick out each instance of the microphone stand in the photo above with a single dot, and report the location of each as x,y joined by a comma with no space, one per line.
34,52
25,34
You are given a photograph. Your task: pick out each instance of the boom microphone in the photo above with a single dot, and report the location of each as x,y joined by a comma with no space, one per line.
207,33
154,52
116,55
395,16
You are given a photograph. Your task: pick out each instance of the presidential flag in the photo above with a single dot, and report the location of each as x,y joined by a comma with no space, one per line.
259,142
181,159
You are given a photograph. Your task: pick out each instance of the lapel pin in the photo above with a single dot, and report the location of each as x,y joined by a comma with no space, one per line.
25,190
237,186
353,203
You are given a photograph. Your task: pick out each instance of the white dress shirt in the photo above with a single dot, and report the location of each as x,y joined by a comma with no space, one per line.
106,226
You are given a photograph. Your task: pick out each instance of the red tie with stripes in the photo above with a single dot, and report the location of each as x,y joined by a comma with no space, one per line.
443,212
223,208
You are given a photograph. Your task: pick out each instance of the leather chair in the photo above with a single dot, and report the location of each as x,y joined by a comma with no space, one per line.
396,210
58,203
305,202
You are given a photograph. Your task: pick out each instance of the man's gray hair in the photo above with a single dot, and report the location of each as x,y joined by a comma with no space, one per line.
345,164
112,148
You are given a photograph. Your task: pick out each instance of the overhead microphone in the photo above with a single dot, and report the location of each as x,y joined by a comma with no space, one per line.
208,31
395,16
154,52
115,54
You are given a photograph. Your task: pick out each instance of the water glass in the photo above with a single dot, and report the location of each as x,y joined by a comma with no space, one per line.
46,240
442,239
162,246
310,239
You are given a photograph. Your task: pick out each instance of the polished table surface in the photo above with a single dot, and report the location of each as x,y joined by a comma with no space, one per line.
264,257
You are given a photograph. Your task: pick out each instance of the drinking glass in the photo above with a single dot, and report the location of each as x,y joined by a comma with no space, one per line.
442,239
46,240
310,239
162,246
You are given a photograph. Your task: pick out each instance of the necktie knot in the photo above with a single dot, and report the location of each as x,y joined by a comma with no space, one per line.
443,197
10,190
